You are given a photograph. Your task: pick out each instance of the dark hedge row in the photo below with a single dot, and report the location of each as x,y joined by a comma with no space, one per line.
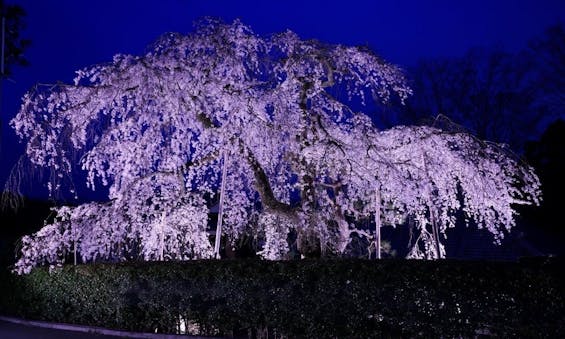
308,298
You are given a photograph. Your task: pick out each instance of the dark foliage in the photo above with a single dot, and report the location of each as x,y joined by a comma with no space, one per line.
15,223
548,158
308,298
15,46
498,96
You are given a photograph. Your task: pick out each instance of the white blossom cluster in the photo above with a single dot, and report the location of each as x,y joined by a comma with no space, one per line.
153,227
151,128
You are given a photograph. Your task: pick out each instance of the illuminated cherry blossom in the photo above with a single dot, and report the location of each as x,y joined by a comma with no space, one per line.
299,159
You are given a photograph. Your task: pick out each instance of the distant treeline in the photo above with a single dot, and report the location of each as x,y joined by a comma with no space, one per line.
499,96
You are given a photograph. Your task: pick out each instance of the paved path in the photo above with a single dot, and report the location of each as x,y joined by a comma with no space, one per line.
14,328
10,330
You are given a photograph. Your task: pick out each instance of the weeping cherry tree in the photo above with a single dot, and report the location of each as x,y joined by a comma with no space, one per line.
302,167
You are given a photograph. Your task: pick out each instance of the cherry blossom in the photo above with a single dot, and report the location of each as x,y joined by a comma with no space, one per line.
152,129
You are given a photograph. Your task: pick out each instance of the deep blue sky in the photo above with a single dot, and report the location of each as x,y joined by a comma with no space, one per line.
69,34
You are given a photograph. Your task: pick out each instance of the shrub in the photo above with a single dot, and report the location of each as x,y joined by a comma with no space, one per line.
307,298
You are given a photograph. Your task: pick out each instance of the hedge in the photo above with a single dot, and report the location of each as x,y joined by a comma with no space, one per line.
305,298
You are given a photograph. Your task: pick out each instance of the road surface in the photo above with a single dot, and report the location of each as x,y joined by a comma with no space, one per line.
10,330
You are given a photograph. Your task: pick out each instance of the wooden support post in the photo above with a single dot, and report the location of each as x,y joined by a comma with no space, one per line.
220,208
162,238
378,222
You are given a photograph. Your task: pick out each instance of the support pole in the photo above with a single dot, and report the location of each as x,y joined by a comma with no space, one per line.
378,222
162,238
74,245
220,208
435,233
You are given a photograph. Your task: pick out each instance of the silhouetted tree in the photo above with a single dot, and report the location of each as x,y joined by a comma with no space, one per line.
14,44
11,44
548,86
487,91
548,157
499,96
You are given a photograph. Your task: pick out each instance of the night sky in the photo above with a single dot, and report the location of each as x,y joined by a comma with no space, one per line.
68,35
